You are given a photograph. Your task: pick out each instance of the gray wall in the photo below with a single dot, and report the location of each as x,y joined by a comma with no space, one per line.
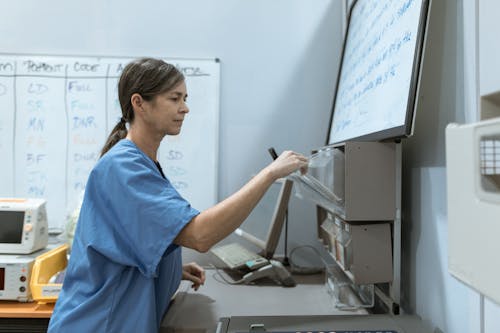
449,94
278,66
428,289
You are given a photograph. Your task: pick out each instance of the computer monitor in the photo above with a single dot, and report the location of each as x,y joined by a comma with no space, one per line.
268,246
376,91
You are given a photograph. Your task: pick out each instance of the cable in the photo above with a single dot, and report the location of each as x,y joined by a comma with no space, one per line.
218,273
306,270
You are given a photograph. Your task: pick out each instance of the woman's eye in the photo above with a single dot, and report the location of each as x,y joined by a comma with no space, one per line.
177,99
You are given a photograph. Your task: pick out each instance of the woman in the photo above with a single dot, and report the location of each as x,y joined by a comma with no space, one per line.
126,262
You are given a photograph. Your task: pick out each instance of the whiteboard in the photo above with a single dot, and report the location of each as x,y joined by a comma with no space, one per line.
56,113
375,97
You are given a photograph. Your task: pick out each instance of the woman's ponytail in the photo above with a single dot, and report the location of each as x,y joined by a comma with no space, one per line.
119,132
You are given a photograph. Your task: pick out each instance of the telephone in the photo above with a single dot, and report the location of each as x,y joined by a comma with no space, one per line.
274,270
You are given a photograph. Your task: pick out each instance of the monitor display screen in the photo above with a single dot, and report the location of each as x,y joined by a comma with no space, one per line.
11,226
379,71
272,210
2,278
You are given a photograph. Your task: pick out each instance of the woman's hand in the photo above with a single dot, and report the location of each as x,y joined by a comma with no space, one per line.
287,163
194,273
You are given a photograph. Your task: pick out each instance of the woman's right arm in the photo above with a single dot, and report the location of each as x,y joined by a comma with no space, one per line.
217,222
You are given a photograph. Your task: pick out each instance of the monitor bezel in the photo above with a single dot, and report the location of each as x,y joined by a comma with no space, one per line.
405,130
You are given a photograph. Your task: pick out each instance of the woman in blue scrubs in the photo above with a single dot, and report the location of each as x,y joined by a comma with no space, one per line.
126,261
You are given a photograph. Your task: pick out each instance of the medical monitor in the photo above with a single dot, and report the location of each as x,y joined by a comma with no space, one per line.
376,91
23,225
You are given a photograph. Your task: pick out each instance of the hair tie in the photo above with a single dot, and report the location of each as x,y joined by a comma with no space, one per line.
122,120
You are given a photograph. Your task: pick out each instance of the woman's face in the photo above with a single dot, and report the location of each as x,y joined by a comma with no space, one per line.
166,111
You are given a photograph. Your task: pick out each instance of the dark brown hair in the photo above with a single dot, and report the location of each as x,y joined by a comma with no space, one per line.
147,77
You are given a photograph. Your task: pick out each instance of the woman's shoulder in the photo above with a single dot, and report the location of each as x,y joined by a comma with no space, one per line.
124,154
123,147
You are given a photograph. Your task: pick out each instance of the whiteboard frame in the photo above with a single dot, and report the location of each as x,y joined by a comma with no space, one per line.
213,193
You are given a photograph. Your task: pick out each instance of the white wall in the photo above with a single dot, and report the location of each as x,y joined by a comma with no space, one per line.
278,65
489,51
449,94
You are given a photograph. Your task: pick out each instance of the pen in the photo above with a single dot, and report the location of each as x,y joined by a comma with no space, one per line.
273,153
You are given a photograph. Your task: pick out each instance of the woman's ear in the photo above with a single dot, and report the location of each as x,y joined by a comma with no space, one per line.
137,101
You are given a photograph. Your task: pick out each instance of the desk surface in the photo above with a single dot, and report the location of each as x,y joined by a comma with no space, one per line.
307,324
199,311
11,309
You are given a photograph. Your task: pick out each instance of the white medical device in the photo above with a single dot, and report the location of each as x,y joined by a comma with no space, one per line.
15,275
23,225
473,181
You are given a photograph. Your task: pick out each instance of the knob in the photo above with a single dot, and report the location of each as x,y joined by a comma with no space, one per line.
28,227
22,278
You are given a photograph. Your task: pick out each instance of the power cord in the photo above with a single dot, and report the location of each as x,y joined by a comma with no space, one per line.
273,270
296,269
287,260
218,273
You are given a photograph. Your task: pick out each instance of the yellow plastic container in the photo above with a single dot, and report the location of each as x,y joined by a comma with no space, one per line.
46,266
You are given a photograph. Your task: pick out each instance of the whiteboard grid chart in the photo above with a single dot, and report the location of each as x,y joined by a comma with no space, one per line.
56,113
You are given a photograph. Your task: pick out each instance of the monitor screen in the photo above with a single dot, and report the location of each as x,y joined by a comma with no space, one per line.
2,278
11,224
274,205
378,77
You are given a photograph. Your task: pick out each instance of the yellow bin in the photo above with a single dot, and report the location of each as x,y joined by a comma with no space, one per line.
46,266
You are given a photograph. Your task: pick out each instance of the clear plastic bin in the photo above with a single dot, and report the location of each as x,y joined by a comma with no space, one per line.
345,294
324,182
328,231
327,166
343,244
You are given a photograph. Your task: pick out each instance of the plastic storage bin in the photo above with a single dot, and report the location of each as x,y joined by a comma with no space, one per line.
347,295
46,266
327,166
324,182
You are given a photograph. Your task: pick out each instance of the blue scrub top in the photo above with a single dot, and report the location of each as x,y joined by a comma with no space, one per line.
124,267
